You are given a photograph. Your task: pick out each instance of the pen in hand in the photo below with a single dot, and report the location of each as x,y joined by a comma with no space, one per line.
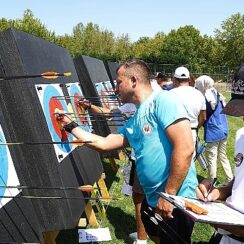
212,184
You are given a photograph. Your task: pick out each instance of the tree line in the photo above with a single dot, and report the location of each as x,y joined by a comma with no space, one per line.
185,45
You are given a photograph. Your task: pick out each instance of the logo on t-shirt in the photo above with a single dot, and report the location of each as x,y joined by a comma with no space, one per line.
147,129
238,159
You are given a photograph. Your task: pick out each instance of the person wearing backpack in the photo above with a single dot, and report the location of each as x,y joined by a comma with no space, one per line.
215,127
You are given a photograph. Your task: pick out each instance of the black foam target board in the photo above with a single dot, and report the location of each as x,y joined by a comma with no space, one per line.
90,72
23,119
111,68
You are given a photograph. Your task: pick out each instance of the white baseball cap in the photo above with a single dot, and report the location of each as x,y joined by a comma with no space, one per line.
182,73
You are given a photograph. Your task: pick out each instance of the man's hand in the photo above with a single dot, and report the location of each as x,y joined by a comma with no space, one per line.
164,208
84,103
220,193
62,117
203,194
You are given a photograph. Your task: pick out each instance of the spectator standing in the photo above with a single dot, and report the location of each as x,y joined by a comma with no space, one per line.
233,192
164,82
215,128
191,98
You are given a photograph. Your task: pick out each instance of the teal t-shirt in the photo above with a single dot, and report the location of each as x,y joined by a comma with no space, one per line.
146,134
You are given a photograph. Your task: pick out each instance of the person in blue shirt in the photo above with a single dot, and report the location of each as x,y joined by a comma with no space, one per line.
216,128
164,82
160,135
232,193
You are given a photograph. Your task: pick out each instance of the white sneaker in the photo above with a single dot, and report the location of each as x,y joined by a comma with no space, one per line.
140,242
133,236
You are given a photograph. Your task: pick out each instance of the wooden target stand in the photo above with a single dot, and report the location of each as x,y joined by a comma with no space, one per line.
91,218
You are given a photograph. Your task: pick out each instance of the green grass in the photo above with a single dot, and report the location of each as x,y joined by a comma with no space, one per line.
120,214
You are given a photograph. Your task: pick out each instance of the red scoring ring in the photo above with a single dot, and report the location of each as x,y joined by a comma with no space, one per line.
53,105
104,100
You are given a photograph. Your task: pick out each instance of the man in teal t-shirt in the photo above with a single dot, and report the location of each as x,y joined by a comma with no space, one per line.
146,133
161,136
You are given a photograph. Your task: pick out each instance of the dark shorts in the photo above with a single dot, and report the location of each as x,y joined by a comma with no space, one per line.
176,230
216,238
134,181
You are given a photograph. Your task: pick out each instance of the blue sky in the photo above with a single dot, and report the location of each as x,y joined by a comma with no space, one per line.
135,17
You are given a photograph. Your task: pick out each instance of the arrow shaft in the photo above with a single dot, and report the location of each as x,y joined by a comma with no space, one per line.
45,75
108,95
107,102
42,143
60,197
91,125
115,114
98,120
22,187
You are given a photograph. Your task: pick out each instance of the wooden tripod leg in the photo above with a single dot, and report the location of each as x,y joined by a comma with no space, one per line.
49,237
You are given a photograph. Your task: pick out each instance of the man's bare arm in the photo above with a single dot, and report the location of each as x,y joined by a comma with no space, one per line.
201,118
99,143
180,136
102,144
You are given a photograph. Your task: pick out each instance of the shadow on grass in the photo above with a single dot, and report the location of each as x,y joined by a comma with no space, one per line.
122,223
67,236
110,174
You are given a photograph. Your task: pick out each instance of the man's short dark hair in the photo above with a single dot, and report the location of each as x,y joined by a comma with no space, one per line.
136,67
162,76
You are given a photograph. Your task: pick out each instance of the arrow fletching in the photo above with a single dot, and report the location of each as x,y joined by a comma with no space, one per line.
54,75
87,188
67,74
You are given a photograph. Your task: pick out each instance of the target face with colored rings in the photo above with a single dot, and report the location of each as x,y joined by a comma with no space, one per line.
8,174
52,98
4,165
75,94
102,94
112,98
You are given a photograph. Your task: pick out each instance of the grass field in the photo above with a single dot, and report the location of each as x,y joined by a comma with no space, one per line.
120,214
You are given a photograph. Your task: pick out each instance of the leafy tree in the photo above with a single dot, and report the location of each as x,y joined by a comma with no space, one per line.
231,38
123,48
5,24
148,49
29,24
90,40
209,55
66,41
182,46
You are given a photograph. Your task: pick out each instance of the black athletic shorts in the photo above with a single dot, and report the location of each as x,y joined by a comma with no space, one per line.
176,230
134,181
